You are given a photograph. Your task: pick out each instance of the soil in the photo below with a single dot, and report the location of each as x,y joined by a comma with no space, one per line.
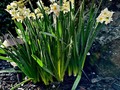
90,82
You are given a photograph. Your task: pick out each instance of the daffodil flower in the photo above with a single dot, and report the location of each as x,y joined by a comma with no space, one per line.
55,8
105,16
13,4
32,15
66,7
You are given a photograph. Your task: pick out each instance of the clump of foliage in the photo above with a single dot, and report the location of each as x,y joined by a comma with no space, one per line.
56,39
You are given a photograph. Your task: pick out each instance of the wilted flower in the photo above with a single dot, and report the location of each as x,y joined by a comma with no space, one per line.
105,16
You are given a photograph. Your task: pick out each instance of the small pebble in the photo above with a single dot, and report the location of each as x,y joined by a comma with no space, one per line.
20,89
53,86
95,80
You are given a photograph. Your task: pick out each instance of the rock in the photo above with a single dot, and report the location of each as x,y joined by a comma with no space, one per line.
95,80
12,42
82,88
109,62
13,64
20,89
108,79
116,86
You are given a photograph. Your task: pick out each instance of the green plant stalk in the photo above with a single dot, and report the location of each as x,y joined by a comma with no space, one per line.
87,42
79,72
76,81
18,85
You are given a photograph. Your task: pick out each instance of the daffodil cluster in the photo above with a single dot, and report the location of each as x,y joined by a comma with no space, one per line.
105,16
19,12
37,14
56,8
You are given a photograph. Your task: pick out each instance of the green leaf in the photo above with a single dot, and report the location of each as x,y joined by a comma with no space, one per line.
5,58
41,64
18,85
9,70
38,60
77,80
48,34
59,28
2,51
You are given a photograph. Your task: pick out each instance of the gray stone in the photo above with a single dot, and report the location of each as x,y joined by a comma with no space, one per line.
95,80
116,86
109,38
109,62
